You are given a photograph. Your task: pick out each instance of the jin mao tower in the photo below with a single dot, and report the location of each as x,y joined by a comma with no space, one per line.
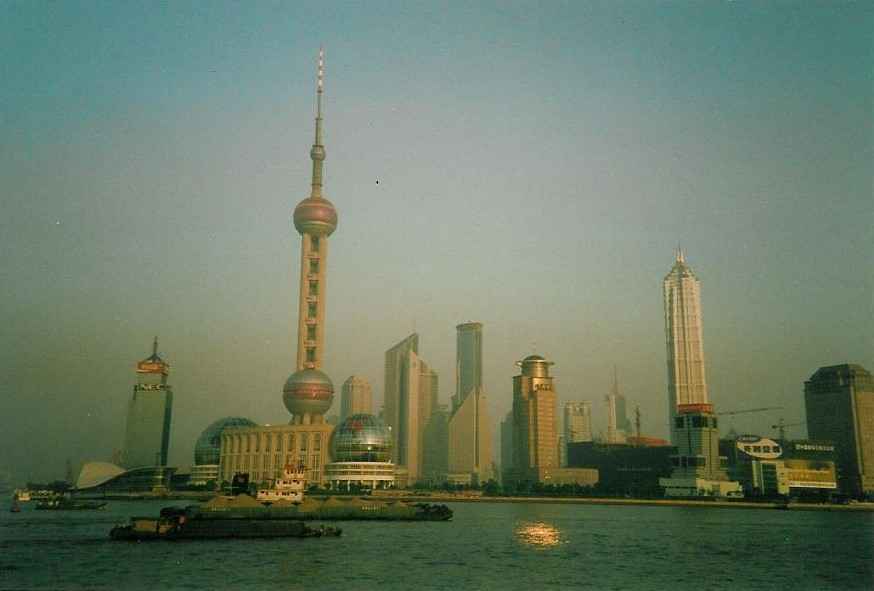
685,349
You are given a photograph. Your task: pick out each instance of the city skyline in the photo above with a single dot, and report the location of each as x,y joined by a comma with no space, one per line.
150,177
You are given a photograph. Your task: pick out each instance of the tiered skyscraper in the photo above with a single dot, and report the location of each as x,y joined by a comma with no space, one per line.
470,448
149,413
535,437
685,350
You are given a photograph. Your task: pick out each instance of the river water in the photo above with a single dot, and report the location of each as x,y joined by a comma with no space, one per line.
527,546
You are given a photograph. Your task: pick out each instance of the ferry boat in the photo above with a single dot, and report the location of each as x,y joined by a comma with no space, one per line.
288,488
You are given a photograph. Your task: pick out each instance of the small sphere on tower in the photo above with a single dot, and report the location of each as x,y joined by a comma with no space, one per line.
315,215
308,391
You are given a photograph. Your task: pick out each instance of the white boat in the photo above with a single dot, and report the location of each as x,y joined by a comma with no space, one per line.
288,488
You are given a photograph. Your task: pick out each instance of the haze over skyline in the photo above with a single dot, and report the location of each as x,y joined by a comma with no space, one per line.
530,168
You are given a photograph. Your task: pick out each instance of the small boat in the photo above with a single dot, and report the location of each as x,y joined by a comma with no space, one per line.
23,495
67,504
288,488
180,524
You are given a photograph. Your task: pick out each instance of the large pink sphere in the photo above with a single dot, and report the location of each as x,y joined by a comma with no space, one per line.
308,391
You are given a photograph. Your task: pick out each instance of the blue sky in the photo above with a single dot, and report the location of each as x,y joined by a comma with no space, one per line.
537,164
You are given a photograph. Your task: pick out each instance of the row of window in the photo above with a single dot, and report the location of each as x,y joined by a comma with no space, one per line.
688,461
696,422
762,449
275,441
273,464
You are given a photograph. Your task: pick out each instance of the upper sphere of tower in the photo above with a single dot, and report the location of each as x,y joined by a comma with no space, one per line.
315,215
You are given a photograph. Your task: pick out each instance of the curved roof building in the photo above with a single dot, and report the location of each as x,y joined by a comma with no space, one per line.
207,449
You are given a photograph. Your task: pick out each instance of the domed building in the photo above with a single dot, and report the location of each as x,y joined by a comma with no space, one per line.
361,454
207,449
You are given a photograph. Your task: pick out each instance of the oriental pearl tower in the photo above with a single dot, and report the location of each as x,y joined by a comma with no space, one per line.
308,392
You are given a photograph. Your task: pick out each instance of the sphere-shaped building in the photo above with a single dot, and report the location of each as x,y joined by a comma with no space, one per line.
361,453
307,393
316,216
207,449
361,438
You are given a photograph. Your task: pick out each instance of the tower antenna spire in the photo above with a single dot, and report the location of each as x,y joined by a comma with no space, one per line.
317,153
155,346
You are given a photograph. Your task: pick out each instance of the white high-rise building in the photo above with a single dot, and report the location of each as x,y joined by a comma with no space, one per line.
410,398
685,350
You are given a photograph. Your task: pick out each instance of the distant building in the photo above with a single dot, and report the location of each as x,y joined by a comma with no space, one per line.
577,422
698,468
839,401
764,467
468,361
470,441
470,448
150,410
624,469
687,383
356,397
410,398
435,463
506,446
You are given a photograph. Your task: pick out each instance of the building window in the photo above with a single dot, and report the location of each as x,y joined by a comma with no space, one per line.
291,442
314,288
317,442
678,422
697,422
314,266
257,443
311,333
302,460
304,440
314,243
311,354
311,310
268,443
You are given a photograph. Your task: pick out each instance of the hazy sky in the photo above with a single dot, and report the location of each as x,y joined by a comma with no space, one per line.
536,166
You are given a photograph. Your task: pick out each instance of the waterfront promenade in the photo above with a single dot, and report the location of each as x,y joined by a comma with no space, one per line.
432,497
462,497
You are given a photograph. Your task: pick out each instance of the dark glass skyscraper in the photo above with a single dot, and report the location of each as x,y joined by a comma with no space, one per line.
147,440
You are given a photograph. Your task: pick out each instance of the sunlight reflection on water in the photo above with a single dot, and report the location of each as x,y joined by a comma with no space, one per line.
538,533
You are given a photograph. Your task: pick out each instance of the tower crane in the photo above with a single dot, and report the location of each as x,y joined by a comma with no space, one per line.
781,428
746,410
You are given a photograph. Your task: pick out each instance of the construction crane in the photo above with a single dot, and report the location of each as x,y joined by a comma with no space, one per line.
781,428
637,423
746,410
